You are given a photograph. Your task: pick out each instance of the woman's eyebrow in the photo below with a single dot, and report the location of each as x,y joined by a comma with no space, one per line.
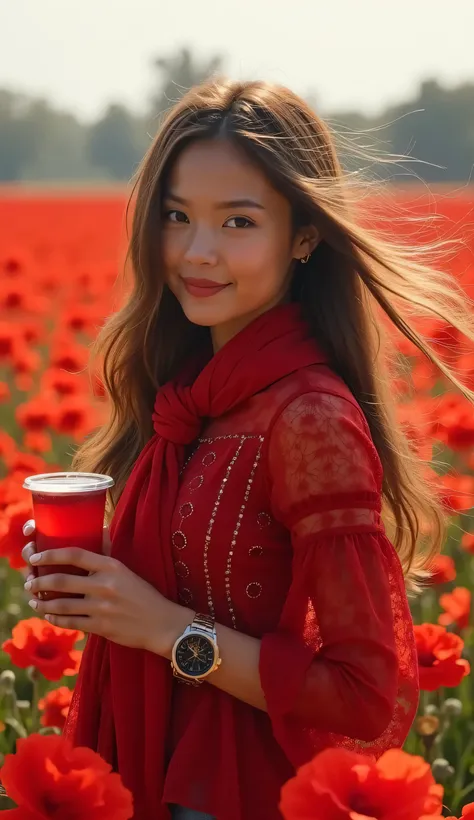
231,203
239,203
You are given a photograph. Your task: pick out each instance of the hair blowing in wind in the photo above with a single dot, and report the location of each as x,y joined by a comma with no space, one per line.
357,286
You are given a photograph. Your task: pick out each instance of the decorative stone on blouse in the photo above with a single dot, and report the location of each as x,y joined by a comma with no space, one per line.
178,538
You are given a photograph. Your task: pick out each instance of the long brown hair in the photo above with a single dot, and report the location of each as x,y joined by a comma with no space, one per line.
356,279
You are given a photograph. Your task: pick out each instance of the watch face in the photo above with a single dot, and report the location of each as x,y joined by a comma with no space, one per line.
195,655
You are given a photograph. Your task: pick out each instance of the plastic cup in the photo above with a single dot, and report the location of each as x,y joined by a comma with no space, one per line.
69,511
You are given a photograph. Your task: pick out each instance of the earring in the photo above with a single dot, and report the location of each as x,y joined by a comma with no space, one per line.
305,259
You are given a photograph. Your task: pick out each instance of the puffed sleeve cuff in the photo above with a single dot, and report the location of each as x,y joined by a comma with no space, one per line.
284,663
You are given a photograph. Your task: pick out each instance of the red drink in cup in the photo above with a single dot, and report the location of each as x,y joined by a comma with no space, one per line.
69,511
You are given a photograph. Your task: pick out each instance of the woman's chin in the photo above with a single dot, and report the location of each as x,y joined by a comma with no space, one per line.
205,315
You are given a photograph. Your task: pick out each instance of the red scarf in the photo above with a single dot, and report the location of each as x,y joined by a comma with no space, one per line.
122,698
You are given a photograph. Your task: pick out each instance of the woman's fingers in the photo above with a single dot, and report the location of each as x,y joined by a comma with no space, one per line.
63,606
75,556
27,551
61,582
29,527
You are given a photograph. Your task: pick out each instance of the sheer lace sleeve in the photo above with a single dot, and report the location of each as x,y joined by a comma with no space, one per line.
326,472
341,668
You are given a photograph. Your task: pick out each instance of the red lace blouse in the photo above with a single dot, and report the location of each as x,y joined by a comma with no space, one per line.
277,533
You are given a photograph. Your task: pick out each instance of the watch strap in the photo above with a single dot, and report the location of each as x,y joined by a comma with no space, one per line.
204,622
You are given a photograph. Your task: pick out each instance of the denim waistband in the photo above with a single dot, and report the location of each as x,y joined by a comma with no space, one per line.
181,813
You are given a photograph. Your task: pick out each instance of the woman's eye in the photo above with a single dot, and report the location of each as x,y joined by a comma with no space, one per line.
176,216
239,222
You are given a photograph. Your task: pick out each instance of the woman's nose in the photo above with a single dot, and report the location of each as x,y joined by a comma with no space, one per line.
201,249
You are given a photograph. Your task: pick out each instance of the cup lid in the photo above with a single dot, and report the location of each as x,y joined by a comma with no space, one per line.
67,483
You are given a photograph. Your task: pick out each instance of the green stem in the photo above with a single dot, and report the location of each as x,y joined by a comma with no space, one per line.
35,715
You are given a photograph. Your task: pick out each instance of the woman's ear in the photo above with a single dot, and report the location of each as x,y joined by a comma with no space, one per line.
305,241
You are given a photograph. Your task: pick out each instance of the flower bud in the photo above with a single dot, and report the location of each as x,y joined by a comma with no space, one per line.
427,726
7,682
442,770
431,709
452,707
33,674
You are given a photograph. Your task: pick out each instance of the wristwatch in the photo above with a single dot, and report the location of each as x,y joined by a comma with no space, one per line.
195,654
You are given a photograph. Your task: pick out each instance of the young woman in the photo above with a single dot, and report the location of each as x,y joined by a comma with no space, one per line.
253,609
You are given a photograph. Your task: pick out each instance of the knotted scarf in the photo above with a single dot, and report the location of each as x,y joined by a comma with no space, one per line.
122,699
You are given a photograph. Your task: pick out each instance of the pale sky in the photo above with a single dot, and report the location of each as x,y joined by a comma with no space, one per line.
84,54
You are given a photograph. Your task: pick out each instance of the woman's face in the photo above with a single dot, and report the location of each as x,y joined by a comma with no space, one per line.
228,243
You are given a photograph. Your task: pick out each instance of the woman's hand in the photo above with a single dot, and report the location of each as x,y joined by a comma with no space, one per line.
29,529
118,604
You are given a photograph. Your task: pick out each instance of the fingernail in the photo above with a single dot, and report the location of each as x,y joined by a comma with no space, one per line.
33,604
36,558
28,585
30,577
28,528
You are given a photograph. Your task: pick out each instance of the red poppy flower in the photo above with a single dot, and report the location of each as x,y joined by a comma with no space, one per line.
73,415
67,355
439,657
27,464
46,647
10,341
14,296
55,707
457,492
61,382
456,425
434,802
7,446
340,785
5,394
82,318
458,607
443,570
36,414
16,263
12,539
467,542
11,492
38,442
26,361
32,331
69,783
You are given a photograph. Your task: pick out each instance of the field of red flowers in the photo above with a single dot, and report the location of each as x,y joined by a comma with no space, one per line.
60,278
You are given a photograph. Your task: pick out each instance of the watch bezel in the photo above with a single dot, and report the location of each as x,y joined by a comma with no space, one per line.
202,634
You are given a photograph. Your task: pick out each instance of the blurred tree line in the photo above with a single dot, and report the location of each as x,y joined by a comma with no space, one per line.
40,143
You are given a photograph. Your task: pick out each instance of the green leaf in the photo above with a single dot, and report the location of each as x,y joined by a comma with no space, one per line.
16,726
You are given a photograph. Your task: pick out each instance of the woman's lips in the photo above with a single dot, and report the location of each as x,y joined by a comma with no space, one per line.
202,287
